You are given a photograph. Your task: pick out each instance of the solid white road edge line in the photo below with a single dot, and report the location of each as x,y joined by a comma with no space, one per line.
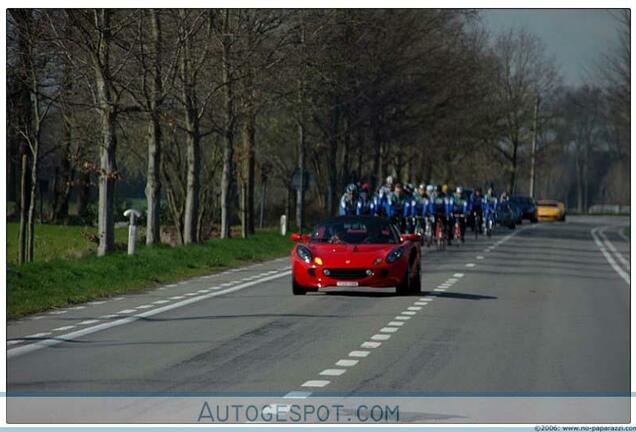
24,349
611,247
607,255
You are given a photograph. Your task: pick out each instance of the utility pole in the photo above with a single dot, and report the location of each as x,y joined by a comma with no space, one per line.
300,194
533,155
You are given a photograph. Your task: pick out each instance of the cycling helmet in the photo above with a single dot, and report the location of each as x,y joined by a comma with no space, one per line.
444,188
352,188
430,188
459,190
389,180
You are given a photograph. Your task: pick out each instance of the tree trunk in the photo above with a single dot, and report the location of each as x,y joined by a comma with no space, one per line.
22,237
247,185
153,182
346,175
193,168
228,138
332,162
579,185
153,178
300,192
513,169
193,151
32,199
108,165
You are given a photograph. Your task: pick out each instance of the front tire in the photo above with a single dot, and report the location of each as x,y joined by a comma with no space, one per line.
417,280
405,287
298,289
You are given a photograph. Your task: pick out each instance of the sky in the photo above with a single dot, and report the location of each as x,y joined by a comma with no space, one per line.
575,37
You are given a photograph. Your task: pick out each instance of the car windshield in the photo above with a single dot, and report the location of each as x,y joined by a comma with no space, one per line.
355,231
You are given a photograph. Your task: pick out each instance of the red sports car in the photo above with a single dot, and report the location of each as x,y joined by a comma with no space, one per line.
351,251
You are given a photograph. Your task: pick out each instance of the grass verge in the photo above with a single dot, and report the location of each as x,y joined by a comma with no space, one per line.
58,241
43,285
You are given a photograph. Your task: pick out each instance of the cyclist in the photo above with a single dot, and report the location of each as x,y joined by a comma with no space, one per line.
365,205
410,208
476,209
348,201
440,206
383,200
398,202
459,210
490,203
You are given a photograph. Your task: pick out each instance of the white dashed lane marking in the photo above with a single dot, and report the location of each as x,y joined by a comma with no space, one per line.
359,353
381,337
333,372
38,335
388,329
470,265
315,383
87,322
414,308
297,395
346,362
127,311
68,327
161,302
402,317
409,313
458,275
395,323
370,345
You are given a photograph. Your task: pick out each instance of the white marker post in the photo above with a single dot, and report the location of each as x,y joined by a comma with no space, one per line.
283,225
132,229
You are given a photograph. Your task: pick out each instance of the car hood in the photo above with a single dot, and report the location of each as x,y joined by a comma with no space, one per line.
348,255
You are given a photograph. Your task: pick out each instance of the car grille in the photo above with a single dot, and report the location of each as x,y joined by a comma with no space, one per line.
347,273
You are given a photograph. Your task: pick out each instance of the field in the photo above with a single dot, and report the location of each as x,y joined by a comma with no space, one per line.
54,281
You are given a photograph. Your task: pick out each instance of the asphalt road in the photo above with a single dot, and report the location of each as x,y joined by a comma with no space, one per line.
540,311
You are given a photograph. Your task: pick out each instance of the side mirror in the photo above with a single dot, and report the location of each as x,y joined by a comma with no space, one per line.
411,237
297,237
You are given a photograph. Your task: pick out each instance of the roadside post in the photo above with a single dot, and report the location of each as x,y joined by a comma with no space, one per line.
132,229
283,225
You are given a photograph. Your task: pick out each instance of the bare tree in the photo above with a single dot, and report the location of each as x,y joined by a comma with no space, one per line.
524,73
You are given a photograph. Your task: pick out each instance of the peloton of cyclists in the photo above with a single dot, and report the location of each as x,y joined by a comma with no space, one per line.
433,212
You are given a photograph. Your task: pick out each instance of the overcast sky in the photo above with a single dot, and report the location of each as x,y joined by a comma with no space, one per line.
576,37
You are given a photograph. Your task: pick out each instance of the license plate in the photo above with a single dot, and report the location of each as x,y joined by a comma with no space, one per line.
346,284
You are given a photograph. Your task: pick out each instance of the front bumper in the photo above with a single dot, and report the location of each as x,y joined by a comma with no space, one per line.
546,217
313,276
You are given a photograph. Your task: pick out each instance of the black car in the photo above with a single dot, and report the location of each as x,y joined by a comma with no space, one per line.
526,206
505,215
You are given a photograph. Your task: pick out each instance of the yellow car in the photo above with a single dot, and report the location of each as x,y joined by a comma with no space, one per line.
550,210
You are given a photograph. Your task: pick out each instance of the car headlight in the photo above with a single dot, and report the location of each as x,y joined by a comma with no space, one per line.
394,255
303,253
